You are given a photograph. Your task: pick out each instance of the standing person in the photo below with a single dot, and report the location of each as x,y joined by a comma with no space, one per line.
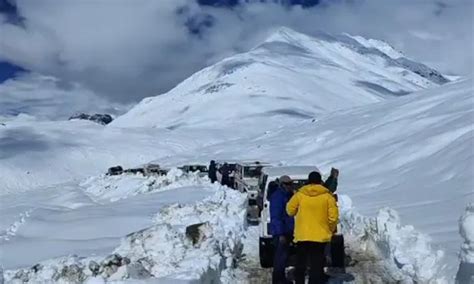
316,215
331,181
225,172
282,226
212,174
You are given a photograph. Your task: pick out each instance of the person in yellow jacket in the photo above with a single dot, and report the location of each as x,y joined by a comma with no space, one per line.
316,216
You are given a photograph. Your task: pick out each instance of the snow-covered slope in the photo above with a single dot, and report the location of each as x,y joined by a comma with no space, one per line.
290,75
414,154
42,153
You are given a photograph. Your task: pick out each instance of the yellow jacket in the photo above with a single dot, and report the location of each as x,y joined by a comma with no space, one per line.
316,213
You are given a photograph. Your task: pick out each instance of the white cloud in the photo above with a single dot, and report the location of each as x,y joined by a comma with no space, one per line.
47,98
128,49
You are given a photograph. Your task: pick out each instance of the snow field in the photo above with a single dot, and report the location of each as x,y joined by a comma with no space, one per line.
413,154
106,188
161,251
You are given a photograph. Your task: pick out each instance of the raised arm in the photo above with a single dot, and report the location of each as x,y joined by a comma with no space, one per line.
331,181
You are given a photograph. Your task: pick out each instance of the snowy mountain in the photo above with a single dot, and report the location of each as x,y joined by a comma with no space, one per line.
290,76
412,154
406,169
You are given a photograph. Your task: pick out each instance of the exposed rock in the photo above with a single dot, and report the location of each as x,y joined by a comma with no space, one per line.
71,274
103,119
113,171
94,267
195,232
137,271
22,275
113,259
37,267
109,270
125,261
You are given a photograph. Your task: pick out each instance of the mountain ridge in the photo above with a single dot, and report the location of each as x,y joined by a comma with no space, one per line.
289,75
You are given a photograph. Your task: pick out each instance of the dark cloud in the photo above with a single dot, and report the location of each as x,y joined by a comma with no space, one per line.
126,50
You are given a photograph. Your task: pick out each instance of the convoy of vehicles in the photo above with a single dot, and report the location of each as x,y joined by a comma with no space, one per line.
252,178
145,170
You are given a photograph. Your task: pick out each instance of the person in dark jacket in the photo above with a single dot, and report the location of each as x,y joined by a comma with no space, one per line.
225,172
281,226
331,181
212,174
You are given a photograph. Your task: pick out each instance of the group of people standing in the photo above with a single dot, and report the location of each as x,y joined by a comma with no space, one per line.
225,172
308,218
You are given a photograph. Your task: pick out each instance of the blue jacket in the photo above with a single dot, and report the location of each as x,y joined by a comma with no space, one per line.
280,222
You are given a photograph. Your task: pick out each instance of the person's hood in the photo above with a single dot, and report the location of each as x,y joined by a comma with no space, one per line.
313,190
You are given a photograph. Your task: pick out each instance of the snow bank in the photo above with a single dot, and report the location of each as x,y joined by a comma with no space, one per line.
169,254
465,273
466,229
395,252
163,251
113,188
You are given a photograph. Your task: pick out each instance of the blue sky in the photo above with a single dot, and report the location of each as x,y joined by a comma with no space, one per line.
8,70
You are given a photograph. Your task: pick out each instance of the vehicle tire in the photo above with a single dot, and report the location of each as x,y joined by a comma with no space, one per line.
337,251
266,252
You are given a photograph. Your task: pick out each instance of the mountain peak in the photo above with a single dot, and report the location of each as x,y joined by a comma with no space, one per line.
287,35
290,76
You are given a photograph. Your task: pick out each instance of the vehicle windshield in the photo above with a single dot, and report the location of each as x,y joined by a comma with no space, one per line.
297,184
252,172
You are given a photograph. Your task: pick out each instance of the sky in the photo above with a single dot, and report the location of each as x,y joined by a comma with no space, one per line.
125,50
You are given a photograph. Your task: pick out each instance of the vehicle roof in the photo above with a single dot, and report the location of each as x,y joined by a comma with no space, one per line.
254,163
292,171
242,162
227,161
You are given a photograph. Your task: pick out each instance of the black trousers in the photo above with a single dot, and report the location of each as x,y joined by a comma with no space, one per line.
311,253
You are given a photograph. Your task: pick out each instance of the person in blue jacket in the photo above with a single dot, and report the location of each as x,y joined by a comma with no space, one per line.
281,226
